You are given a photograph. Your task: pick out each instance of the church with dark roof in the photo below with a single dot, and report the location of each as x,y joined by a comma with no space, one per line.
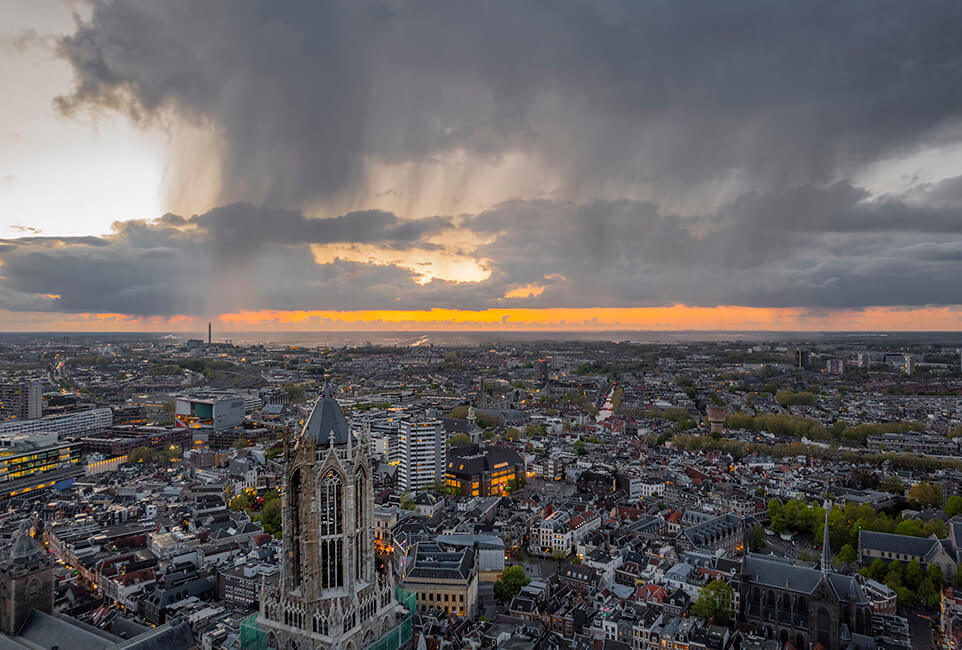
807,607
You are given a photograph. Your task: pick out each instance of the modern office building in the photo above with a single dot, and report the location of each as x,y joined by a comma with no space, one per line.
473,471
20,400
209,411
32,465
421,453
121,440
66,425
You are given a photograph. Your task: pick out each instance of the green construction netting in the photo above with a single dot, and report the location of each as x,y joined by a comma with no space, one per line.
253,638
402,633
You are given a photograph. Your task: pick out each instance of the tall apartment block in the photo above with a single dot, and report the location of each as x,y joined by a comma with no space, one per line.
20,400
421,452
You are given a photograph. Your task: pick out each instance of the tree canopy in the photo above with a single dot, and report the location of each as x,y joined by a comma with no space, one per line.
715,602
511,581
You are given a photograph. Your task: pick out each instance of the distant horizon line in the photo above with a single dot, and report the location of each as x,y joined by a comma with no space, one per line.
486,331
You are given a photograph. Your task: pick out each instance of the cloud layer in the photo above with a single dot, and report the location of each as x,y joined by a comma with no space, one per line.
615,154
656,99
813,247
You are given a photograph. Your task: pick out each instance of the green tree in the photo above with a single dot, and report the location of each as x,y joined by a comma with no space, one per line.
535,430
512,433
925,495
877,569
459,439
270,516
953,506
913,575
934,575
295,392
241,443
140,455
510,584
929,594
757,538
579,447
892,484
847,554
893,576
407,502
715,602
779,524
240,502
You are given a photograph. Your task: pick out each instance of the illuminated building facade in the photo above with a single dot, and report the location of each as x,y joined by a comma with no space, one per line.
421,447
25,469
472,471
215,412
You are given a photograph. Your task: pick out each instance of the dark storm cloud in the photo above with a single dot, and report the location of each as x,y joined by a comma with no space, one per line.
783,101
828,247
777,94
233,257
809,247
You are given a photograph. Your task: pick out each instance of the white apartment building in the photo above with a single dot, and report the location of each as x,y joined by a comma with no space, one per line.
67,424
552,536
421,446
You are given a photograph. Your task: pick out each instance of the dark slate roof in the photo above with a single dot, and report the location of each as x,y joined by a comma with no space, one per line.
715,528
889,542
326,420
776,572
471,459
46,631
174,636
429,560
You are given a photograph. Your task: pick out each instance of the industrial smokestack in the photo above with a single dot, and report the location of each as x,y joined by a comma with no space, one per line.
209,341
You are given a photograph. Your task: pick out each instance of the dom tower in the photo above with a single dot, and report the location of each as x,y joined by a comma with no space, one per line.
330,595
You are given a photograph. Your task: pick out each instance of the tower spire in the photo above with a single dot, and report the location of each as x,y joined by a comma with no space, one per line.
826,549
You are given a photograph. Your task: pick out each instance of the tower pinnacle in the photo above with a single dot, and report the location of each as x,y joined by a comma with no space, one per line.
826,549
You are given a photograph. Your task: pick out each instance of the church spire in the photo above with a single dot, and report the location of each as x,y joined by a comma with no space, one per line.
826,549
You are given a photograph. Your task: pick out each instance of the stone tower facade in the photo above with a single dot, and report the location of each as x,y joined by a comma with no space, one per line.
26,582
330,594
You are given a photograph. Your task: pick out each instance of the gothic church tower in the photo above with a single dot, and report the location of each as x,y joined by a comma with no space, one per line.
330,595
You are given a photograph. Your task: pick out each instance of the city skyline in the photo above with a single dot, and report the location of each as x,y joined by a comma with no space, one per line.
495,167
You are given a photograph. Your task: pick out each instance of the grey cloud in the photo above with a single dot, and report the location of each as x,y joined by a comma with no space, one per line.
813,247
670,95
816,247
233,257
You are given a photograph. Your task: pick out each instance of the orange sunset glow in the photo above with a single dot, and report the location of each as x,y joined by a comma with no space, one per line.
675,317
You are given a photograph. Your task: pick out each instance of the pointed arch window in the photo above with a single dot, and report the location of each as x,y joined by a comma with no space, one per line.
330,528
360,523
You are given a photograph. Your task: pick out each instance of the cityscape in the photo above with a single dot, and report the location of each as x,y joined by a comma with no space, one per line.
163,491
480,325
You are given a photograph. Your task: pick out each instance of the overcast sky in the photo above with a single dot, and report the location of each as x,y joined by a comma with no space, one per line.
775,165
